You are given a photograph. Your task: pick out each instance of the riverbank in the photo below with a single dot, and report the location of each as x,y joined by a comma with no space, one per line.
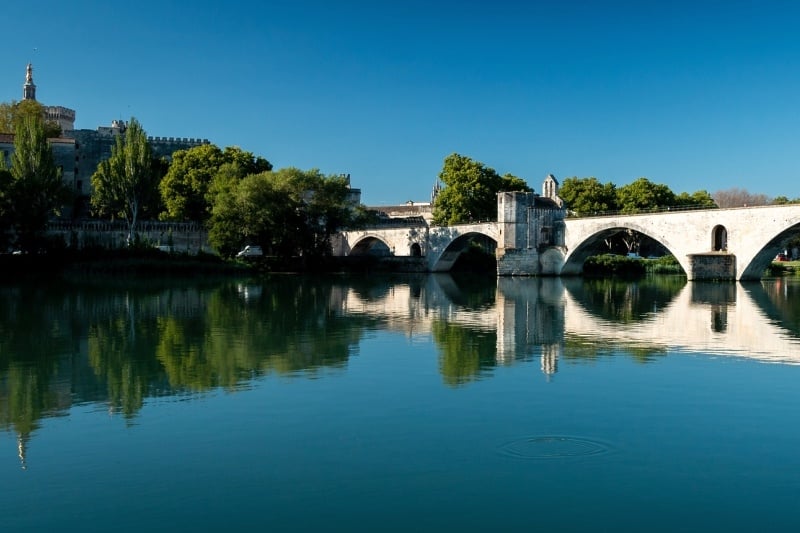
146,263
88,265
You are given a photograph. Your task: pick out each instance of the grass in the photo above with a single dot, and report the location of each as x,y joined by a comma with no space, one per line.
780,268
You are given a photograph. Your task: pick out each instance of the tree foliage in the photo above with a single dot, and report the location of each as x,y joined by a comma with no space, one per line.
32,189
126,181
289,212
700,198
586,196
6,204
470,191
13,114
644,195
189,187
735,197
784,200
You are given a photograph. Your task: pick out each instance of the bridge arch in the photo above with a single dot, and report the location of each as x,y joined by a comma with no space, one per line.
444,259
370,245
766,254
590,244
721,244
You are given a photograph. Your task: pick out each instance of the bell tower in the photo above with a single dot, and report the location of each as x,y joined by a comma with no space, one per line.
29,89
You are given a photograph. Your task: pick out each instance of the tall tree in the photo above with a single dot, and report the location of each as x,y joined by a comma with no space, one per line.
470,191
126,181
188,188
644,195
699,198
288,212
6,203
36,191
587,196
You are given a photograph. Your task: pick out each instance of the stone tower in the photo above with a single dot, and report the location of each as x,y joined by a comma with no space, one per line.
550,190
29,89
529,225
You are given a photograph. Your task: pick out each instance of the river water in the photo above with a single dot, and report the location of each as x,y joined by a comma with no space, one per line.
422,403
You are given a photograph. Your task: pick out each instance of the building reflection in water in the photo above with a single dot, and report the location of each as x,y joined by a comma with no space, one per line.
120,347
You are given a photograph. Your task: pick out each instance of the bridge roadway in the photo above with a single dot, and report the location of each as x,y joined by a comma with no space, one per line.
748,238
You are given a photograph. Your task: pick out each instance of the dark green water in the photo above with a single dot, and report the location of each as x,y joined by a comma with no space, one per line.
414,404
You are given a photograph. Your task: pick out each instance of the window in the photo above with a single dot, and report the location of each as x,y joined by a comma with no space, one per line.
719,239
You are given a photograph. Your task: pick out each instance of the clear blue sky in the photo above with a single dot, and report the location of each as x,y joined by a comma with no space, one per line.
694,95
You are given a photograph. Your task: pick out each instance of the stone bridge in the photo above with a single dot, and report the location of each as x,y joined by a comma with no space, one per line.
734,243
438,246
530,240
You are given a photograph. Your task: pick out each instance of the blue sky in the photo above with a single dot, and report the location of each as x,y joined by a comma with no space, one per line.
694,95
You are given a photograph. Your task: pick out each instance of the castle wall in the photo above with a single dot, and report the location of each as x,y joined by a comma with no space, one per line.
63,156
94,146
180,236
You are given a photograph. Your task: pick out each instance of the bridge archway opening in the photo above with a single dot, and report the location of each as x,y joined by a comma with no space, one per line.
719,239
615,240
371,246
782,242
472,251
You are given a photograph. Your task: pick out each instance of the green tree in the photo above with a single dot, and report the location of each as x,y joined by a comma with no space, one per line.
13,114
126,182
700,198
289,212
6,203
784,200
586,196
35,191
470,191
188,188
644,195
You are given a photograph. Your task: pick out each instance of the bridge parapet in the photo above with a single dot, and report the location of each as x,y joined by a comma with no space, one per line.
732,244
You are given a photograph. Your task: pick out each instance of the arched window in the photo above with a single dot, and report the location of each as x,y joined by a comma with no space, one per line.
719,239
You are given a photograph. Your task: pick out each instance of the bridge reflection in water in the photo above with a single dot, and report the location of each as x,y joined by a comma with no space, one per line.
558,318
62,347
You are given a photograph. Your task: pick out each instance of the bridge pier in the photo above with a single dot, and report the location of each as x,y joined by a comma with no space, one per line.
517,262
711,266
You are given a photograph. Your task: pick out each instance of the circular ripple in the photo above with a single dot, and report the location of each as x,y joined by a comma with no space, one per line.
553,447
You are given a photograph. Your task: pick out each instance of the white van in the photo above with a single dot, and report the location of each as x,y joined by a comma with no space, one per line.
250,251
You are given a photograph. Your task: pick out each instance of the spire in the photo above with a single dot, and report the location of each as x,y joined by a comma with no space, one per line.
29,89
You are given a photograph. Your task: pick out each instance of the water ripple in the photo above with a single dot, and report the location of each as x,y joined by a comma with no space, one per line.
553,447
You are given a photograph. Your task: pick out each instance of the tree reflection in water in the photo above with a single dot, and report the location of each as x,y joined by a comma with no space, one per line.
62,345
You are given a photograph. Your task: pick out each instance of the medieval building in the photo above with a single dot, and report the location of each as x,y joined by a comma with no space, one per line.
78,152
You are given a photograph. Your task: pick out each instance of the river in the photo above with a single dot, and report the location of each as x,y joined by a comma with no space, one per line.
406,403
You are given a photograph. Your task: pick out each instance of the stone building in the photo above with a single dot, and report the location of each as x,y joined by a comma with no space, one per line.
79,152
94,146
64,116
63,154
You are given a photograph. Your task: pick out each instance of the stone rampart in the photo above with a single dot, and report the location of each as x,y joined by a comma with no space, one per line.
181,237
